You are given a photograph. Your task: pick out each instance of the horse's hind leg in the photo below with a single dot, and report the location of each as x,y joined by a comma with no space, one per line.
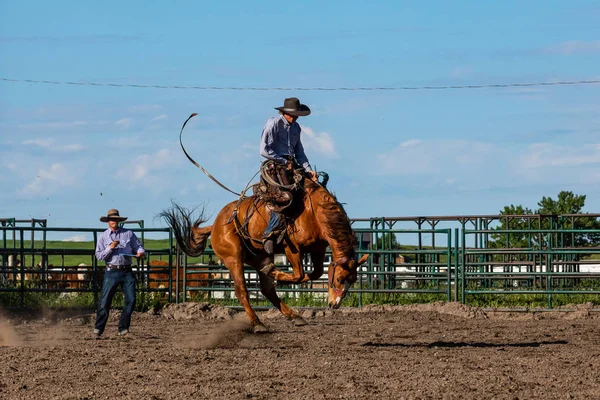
267,288
236,270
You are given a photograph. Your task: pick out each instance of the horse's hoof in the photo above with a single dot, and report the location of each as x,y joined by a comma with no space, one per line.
260,328
299,321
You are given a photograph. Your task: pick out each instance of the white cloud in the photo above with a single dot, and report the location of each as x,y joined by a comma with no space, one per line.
467,165
144,108
575,47
245,151
318,142
39,142
421,157
48,143
461,72
411,143
125,142
76,238
70,147
159,118
548,155
53,125
49,180
124,122
146,168
186,189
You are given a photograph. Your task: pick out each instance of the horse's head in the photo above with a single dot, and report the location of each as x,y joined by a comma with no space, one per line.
342,275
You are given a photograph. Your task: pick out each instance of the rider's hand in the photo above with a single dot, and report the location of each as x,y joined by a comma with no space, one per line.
313,176
289,165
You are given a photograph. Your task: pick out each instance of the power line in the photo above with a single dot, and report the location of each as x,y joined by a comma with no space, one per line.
448,87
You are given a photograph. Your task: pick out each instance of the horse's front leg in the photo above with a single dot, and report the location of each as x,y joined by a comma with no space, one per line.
317,257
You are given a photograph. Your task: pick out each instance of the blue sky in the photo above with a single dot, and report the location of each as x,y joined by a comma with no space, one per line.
69,153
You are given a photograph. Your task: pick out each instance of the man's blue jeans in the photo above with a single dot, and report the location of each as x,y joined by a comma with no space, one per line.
112,279
273,223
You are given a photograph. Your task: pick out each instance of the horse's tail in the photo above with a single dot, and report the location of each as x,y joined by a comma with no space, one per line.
189,236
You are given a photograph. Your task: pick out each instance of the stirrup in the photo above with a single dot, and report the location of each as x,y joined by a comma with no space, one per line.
280,237
269,246
267,268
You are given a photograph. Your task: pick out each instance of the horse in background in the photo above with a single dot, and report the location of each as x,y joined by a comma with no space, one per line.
158,278
319,220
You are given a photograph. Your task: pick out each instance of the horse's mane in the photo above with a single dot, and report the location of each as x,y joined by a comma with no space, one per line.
335,221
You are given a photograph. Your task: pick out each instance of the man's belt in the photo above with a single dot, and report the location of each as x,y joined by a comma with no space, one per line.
113,266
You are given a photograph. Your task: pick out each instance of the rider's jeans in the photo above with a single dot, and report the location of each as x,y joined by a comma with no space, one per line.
273,223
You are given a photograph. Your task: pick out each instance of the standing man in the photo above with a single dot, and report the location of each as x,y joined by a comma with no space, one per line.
116,246
280,143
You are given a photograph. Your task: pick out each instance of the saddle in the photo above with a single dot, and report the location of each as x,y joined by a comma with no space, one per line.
278,185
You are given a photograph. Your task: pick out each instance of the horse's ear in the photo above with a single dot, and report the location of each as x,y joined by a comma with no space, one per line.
363,259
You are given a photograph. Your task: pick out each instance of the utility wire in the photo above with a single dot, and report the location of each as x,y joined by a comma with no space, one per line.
496,85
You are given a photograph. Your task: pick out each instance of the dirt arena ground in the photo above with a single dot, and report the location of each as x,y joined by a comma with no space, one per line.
194,351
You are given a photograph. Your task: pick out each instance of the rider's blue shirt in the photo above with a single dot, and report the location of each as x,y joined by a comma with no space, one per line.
280,138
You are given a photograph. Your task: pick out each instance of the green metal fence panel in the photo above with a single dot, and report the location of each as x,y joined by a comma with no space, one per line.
546,268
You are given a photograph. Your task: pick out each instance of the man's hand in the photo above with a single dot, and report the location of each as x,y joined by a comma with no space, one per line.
114,244
289,165
140,254
313,176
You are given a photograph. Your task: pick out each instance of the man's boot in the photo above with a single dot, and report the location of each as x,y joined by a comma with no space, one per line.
269,246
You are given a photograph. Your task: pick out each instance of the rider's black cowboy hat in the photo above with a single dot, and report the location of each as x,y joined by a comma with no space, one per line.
292,106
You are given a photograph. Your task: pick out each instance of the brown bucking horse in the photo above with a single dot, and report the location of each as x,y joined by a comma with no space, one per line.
319,220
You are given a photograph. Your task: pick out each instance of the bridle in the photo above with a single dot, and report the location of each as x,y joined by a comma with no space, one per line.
338,292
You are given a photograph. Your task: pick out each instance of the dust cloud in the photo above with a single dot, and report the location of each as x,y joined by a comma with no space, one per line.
228,334
8,336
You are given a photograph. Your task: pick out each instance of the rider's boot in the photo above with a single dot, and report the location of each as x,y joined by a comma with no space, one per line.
269,242
269,245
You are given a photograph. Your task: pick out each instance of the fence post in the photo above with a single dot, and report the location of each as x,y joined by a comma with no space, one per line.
549,270
22,269
456,264
463,268
449,264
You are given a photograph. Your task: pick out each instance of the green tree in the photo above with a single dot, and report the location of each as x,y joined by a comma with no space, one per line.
510,221
387,241
558,212
553,214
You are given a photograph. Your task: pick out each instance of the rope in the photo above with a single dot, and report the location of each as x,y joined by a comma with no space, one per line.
265,175
198,165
